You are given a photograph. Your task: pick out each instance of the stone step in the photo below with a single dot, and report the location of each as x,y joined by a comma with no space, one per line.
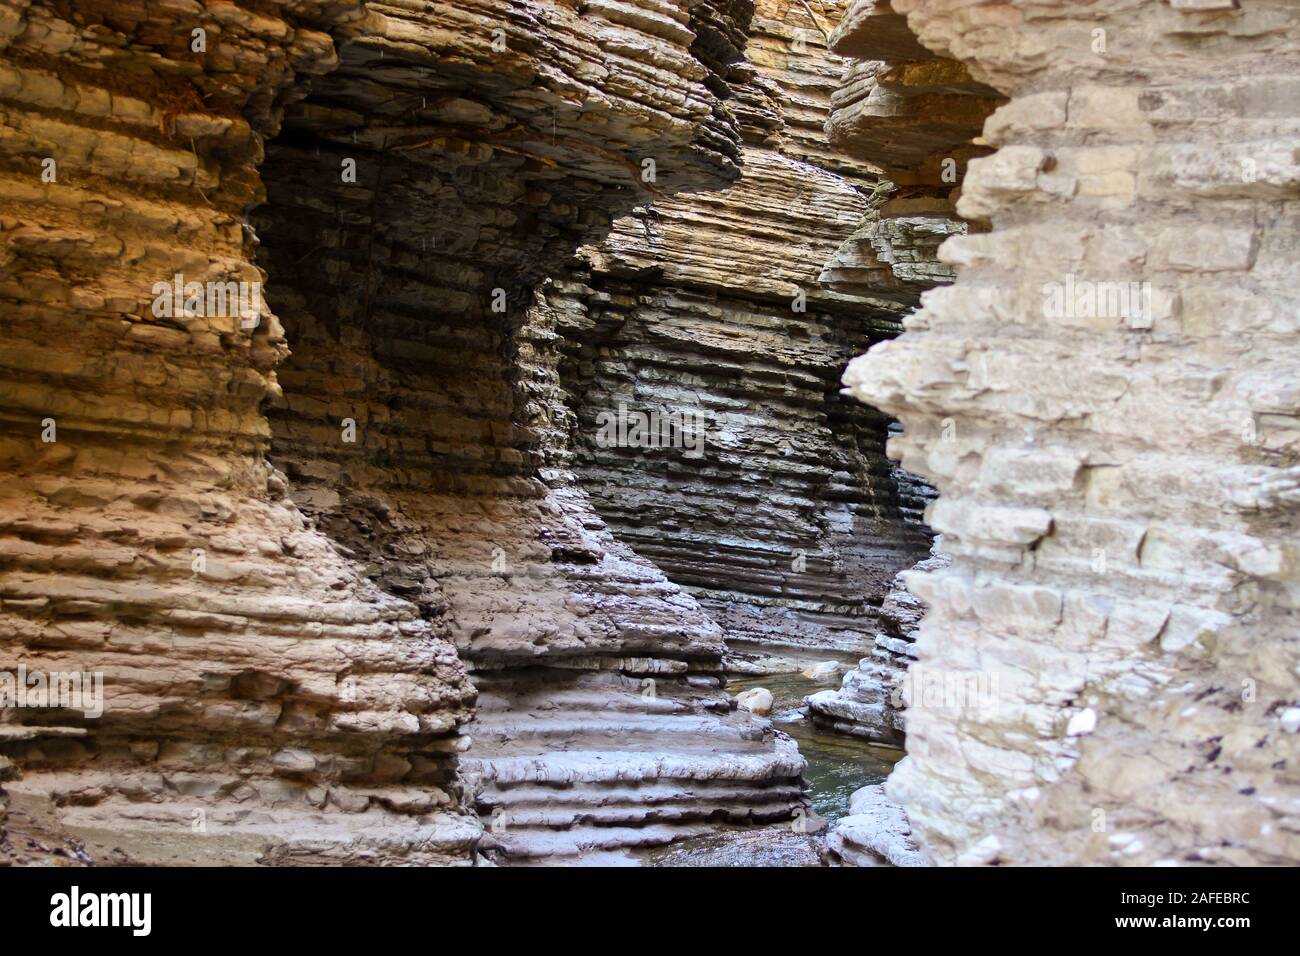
568,816
581,764
524,734
781,761
592,844
627,702
528,797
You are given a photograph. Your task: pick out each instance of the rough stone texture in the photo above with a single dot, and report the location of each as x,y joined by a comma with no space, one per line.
1119,492
149,541
687,303
290,578
280,644
789,522
875,833
870,701
917,113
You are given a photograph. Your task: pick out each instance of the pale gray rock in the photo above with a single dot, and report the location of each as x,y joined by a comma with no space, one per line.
756,700
871,701
1103,470
875,833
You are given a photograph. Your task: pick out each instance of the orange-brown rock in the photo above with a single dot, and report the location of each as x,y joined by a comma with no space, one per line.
276,602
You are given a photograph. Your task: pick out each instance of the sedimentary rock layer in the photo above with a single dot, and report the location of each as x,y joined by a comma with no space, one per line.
871,700
144,537
279,645
917,114
777,510
1105,401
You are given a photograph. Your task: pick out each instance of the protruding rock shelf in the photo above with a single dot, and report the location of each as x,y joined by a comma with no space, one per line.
605,761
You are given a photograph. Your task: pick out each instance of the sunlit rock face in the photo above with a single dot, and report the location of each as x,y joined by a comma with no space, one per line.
915,112
1105,402
284,577
260,699
777,510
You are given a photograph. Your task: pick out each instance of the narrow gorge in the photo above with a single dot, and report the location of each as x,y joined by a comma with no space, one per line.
661,432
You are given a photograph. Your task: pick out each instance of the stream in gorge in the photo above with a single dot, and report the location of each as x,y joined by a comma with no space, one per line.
838,765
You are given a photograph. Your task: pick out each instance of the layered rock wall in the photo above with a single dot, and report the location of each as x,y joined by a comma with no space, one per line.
779,512
1105,401
279,638
918,113
144,537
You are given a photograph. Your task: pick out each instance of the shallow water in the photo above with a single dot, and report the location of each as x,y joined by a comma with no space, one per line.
837,766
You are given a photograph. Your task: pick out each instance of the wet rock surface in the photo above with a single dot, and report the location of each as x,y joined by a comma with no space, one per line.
749,847
839,767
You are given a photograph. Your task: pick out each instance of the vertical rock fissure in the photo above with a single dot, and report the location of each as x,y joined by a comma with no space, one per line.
916,113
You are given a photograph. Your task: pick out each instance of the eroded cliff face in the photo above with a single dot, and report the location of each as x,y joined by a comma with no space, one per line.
365,581
1106,402
778,511
275,572
145,538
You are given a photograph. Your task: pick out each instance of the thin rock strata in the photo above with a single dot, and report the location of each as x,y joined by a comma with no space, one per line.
408,316
872,697
286,577
777,509
1105,402
687,305
918,113
144,538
